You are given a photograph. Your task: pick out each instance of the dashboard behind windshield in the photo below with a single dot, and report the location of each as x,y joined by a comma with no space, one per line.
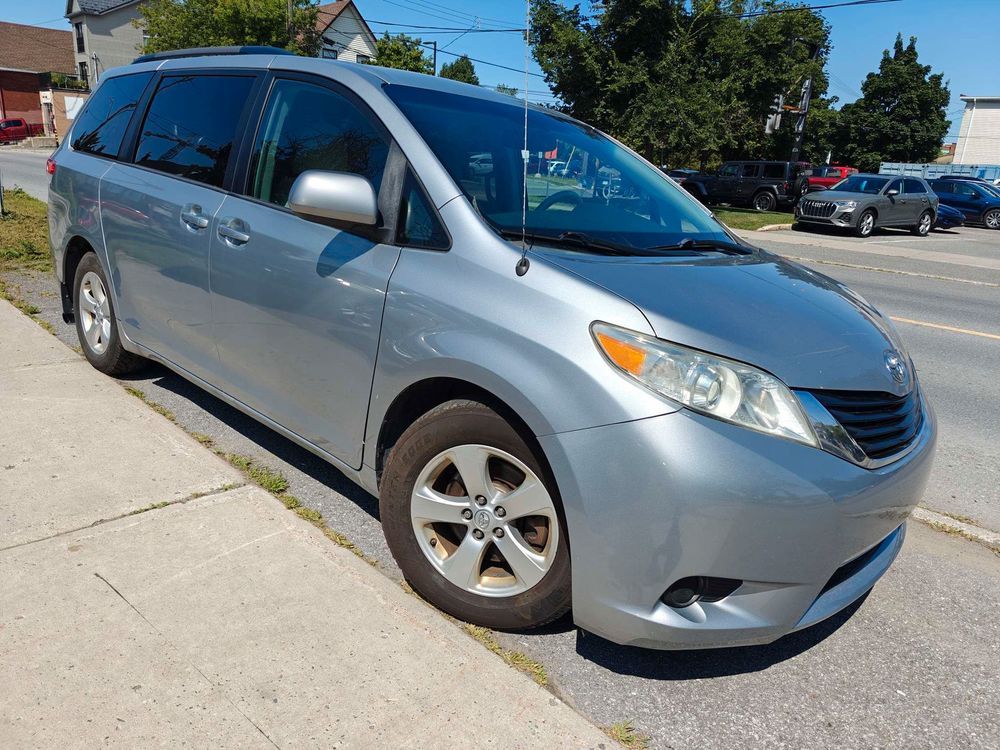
578,180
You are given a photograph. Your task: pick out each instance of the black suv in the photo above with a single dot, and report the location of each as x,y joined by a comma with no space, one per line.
763,185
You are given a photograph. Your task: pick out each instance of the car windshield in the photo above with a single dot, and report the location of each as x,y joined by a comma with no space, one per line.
581,185
858,183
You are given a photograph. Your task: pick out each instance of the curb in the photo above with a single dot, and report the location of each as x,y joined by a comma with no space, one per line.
941,522
774,228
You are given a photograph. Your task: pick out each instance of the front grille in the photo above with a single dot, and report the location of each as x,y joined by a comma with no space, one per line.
880,423
817,209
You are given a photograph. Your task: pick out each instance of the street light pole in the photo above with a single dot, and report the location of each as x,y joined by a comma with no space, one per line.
435,45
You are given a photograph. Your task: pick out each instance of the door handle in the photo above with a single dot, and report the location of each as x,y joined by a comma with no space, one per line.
191,215
232,231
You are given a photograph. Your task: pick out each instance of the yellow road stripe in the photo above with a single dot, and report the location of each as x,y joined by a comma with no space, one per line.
953,329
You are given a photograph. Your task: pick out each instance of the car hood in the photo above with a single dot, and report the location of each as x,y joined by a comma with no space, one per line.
801,326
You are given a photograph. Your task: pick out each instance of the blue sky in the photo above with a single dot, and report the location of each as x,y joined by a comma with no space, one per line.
953,36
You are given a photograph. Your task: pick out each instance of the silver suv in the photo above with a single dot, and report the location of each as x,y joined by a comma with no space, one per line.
567,389
865,202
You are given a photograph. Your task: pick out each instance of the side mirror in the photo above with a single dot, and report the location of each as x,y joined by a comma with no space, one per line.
892,192
975,196
320,194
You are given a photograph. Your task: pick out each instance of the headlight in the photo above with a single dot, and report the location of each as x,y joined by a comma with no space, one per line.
720,388
845,204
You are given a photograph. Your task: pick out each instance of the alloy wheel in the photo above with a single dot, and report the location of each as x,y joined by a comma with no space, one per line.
95,313
867,225
484,520
925,224
992,219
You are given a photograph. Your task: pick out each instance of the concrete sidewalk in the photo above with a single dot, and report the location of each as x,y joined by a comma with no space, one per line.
218,620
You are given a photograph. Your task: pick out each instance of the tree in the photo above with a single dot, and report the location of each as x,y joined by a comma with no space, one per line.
901,116
503,88
402,52
681,81
176,24
461,70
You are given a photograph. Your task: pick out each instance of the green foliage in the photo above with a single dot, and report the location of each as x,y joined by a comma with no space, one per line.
681,81
402,52
461,69
176,24
503,88
24,233
901,116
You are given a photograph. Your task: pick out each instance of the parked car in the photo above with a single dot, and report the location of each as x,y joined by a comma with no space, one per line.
690,441
763,185
865,202
979,203
679,175
967,178
17,129
948,217
822,178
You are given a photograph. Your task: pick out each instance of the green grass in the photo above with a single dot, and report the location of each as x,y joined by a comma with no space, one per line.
521,662
745,218
24,233
625,734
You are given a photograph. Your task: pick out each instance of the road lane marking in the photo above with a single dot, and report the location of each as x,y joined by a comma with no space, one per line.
942,327
844,264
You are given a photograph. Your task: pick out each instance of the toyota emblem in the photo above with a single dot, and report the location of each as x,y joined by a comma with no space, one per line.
895,365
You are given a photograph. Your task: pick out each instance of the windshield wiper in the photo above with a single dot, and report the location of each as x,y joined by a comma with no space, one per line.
580,240
689,245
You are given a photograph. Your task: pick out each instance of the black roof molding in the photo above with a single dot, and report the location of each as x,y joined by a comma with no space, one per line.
210,52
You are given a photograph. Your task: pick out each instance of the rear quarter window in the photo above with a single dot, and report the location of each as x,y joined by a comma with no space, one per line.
99,129
774,171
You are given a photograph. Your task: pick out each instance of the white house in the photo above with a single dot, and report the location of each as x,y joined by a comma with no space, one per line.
344,35
979,136
104,36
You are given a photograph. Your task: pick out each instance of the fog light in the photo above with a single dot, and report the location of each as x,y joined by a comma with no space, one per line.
687,591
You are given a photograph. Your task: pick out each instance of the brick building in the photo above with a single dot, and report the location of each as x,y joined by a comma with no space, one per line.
27,55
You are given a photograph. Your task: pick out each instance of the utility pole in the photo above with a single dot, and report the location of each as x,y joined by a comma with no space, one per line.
435,45
800,122
288,20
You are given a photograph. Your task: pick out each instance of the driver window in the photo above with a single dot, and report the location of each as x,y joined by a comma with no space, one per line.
311,127
894,185
730,170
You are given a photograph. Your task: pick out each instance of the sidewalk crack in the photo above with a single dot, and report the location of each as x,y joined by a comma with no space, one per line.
194,666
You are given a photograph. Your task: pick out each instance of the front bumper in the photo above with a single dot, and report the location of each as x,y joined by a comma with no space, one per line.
657,500
841,217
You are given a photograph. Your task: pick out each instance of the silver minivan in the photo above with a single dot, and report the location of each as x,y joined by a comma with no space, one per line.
571,389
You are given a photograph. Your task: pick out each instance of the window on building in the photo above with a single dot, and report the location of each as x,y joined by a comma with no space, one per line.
191,124
84,75
363,59
78,30
311,127
99,129
330,53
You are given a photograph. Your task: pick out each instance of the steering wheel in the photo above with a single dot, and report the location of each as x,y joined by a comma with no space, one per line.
561,196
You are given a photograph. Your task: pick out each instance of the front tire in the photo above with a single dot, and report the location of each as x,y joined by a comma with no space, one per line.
866,224
96,324
764,201
923,226
992,218
473,520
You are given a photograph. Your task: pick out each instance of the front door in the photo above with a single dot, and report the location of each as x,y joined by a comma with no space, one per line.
890,210
157,214
967,199
297,303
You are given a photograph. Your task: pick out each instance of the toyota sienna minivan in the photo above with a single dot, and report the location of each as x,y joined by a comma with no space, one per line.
570,390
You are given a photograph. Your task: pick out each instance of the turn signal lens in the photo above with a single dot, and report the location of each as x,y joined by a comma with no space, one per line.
719,387
50,165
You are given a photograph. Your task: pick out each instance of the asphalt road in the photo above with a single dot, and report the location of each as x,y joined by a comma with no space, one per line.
24,169
915,665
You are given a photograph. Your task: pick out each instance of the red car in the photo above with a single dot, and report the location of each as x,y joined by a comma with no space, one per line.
823,178
17,129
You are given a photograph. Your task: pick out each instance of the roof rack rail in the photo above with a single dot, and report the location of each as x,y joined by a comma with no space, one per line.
210,52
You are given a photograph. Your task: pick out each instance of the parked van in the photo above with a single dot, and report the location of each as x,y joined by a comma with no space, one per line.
564,396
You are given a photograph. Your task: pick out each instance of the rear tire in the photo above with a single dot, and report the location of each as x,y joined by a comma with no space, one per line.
866,224
764,201
923,226
461,537
96,323
992,218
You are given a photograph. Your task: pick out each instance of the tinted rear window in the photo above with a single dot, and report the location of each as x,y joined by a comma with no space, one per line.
99,129
774,171
913,186
191,124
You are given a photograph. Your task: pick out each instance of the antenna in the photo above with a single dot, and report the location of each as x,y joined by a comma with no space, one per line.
523,264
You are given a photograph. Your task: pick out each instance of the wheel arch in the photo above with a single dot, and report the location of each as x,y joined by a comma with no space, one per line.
76,248
423,395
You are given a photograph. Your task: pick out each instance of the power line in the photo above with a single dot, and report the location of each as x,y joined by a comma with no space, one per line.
828,6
